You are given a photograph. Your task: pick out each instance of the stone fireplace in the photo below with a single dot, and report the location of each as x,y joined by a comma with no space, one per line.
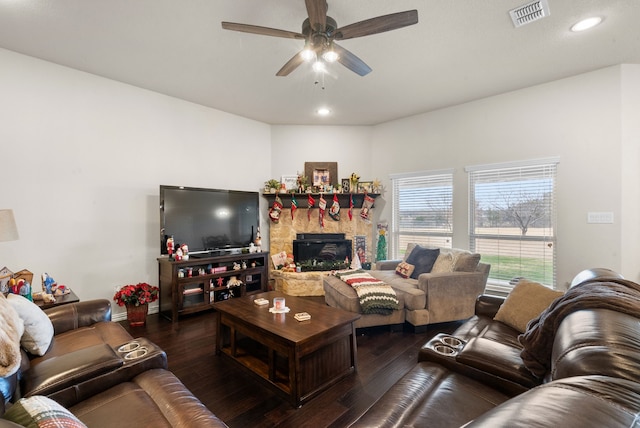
286,231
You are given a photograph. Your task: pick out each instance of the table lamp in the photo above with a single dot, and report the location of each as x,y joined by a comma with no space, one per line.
8,228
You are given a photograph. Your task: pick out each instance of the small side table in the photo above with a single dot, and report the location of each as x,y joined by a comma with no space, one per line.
60,300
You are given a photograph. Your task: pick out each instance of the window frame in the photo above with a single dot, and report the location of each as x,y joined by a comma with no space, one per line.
435,178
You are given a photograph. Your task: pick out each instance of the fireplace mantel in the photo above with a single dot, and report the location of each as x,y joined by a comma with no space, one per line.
343,198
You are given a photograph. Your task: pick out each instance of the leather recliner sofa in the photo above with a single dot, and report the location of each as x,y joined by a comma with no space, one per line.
106,378
477,376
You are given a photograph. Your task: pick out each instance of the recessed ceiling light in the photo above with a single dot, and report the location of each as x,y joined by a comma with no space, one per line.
585,24
323,111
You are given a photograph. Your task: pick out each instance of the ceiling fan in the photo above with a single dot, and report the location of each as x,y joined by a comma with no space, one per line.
320,33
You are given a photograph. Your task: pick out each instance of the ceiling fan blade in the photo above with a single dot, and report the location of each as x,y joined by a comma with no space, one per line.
351,61
291,65
317,10
264,31
376,25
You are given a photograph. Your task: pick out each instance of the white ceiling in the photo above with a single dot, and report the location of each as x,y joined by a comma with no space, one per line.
460,50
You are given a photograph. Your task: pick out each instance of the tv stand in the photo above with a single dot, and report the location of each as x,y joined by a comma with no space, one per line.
191,286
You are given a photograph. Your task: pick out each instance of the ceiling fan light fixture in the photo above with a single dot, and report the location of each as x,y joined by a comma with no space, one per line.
330,55
323,111
319,67
308,54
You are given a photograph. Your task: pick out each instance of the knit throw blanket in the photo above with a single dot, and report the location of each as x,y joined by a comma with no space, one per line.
11,329
375,296
616,294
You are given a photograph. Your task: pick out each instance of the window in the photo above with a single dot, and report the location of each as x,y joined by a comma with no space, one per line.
422,210
512,221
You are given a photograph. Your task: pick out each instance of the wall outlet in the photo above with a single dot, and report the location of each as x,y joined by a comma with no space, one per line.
600,217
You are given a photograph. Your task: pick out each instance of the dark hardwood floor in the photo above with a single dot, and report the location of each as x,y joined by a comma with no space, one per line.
241,400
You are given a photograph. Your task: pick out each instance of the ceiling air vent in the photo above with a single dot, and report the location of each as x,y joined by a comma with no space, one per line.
529,12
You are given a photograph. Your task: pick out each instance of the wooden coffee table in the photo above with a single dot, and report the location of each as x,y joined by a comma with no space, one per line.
299,359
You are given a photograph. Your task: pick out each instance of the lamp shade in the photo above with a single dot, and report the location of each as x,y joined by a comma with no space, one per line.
8,228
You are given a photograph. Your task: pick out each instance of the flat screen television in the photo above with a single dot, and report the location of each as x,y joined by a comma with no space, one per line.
207,219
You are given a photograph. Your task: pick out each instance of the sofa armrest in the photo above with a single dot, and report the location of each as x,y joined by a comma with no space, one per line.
81,314
488,306
387,264
452,295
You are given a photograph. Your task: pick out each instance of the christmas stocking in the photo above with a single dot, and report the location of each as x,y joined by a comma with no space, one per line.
366,207
322,205
274,211
334,211
294,205
310,203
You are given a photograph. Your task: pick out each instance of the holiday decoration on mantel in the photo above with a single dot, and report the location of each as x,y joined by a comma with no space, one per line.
334,211
310,203
274,211
322,205
294,205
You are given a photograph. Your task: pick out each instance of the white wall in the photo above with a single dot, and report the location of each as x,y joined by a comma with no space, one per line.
82,160
630,166
349,146
577,119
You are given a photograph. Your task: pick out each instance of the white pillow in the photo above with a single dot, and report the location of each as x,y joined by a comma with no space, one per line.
38,329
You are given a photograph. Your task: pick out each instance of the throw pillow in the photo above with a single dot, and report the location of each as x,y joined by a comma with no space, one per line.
404,269
41,412
525,302
443,264
423,260
38,329
466,262
407,252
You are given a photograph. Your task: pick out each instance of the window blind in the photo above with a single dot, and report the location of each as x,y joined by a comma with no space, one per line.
512,221
422,210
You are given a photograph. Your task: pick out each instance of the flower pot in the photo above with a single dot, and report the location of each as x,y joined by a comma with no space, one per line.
137,315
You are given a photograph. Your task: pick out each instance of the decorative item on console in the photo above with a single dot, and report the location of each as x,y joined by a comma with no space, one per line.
50,289
303,183
258,240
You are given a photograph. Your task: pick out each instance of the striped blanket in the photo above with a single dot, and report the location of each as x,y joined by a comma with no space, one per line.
375,296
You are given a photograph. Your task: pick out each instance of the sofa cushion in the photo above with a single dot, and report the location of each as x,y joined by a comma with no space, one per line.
413,297
404,269
423,260
525,302
465,261
38,329
40,412
443,264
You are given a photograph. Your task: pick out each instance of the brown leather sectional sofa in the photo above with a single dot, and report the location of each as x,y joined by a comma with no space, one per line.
104,376
592,378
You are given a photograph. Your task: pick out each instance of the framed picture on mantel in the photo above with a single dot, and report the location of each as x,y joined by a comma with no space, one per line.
321,173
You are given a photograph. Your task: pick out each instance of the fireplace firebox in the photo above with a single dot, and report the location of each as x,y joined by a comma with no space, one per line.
321,249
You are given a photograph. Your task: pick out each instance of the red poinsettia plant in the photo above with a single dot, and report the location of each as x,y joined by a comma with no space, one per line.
136,295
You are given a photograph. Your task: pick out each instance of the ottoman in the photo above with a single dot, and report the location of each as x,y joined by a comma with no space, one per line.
340,295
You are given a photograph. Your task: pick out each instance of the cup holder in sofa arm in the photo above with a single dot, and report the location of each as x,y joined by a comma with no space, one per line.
444,344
